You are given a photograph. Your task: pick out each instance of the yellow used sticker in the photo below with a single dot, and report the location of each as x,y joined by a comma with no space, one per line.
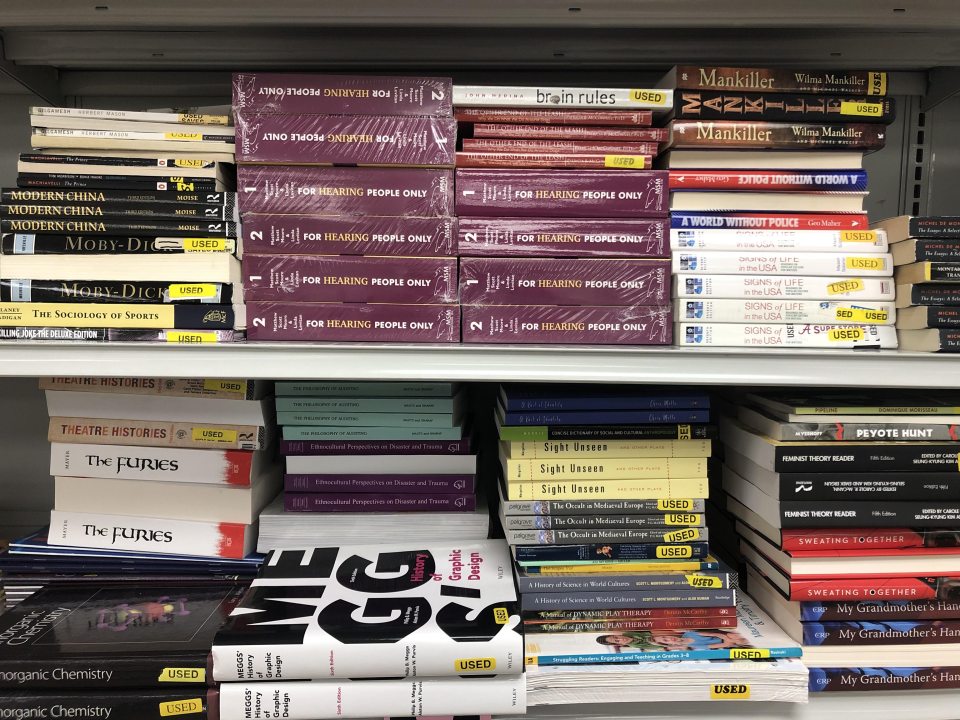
685,535
203,291
674,551
843,287
475,664
854,314
846,334
633,162
866,263
864,236
187,706
183,675
190,337
213,435
204,244
749,653
650,97
729,692
866,109
676,504
704,581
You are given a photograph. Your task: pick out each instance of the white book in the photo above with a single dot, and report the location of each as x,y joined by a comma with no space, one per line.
714,200
133,170
745,239
67,122
507,96
760,160
215,267
164,499
56,139
238,468
182,135
782,263
220,156
184,118
796,336
800,287
435,696
376,464
780,311
108,405
153,535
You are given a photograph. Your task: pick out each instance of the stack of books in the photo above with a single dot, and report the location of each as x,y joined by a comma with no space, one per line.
771,244
389,630
160,466
122,227
926,253
602,503
368,460
846,507
562,225
359,252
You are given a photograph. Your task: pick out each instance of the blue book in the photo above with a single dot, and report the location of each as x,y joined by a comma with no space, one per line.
604,417
611,551
845,679
520,398
714,220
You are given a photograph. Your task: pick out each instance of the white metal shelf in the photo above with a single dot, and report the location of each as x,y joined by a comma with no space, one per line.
698,366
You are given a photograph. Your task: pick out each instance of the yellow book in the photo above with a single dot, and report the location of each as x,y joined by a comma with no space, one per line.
519,470
645,489
607,449
119,315
639,566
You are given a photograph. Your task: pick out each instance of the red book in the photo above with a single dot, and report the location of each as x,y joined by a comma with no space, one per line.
768,221
570,132
558,146
535,116
899,588
581,161
800,542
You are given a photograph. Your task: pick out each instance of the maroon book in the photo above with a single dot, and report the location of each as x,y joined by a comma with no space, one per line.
562,193
563,237
581,161
525,324
375,447
348,235
537,116
558,146
346,140
353,322
399,484
564,281
349,279
758,135
378,502
570,132
297,190
342,94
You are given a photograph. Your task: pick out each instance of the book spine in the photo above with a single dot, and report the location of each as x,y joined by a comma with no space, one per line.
563,281
410,406
586,417
789,107
940,271
651,489
865,538
867,589
612,449
750,135
947,226
886,457
440,696
108,315
855,679
532,433
634,325
705,77
370,434
559,147
710,621
138,183
603,468
345,191
643,118
562,238
40,133
627,599
650,613
180,337
349,235
650,656
390,484
570,132
796,287
942,317
773,180
750,335
561,193
381,140
302,388
600,582
150,535
198,703
155,434
800,263
106,291
581,567
119,226
20,195
558,554
287,93
918,485
351,322
181,387
220,467
853,432
378,502
903,513
931,609
850,241
30,244
580,161
112,672
603,507
145,162
111,211
935,249
372,419
343,279
663,521
947,339
784,311
185,118
768,221
605,535
561,97
375,447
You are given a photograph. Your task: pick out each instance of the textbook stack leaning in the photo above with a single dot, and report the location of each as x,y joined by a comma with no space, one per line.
562,221
770,242
602,497
386,630
123,226
372,460
846,512
346,193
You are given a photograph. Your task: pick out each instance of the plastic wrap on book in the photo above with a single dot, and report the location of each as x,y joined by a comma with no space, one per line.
540,237
637,325
353,322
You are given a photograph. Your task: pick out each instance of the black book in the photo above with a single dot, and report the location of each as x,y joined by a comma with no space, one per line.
541,433
30,244
112,704
867,428
26,195
98,210
920,249
532,554
66,159
167,316
108,291
172,183
928,294
118,226
792,107
114,636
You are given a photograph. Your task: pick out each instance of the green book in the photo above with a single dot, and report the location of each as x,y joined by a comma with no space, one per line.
293,432
365,389
371,405
299,417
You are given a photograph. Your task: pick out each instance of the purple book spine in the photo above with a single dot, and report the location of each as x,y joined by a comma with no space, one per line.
353,322
348,235
346,139
302,190
375,447
563,281
399,484
562,193
539,237
377,502
636,325
343,94
349,279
